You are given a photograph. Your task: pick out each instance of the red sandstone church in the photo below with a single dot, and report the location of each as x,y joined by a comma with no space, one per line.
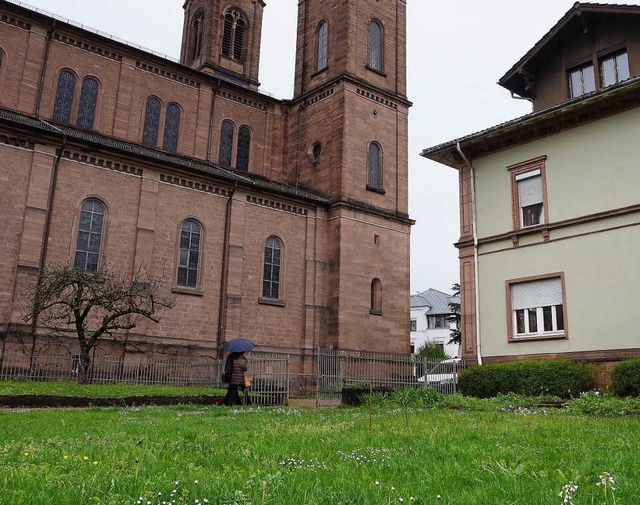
283,221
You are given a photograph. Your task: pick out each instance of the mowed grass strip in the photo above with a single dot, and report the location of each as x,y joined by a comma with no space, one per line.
69,388
189,455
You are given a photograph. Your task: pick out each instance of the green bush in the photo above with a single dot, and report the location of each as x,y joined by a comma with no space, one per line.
530,378
626,378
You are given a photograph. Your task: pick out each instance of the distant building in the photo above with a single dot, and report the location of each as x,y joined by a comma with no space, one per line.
430,314
550,202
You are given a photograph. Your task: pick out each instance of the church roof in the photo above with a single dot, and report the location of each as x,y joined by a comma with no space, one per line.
153,155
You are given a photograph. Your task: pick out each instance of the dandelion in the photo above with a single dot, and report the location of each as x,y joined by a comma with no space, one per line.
95,462
66,456
86,458
26,454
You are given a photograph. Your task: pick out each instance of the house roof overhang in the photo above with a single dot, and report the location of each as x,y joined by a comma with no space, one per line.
518,78
563,116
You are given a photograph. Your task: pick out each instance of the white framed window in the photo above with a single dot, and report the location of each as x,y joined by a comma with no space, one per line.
582,80
537,307
530,198
614,69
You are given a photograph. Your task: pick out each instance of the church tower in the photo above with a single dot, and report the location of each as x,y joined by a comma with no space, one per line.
348,140
222,37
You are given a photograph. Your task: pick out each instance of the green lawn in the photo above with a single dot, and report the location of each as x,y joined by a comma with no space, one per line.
331,457
68,388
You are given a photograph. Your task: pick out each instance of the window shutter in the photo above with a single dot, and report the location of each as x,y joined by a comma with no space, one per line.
530,191
542,293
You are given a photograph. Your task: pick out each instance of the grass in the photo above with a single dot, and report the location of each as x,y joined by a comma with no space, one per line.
196,455
69,388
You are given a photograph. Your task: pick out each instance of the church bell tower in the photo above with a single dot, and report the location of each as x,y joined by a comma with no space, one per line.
222,37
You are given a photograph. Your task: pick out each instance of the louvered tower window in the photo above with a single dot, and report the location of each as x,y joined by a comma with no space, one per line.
375,46
323,40
233,35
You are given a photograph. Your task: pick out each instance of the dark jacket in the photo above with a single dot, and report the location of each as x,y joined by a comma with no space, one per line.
236,366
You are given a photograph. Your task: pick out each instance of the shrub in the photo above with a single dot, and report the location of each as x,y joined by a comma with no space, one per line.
626,378
432,350
530,378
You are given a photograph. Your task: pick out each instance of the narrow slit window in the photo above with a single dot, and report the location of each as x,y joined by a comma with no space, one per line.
374,166
375,45
376,297
64,97
171,128
272,264
88,101
244,148
198,29
89,239
151,122
226,143
189,259
323,40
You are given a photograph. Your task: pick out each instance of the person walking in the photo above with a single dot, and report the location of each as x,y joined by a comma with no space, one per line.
235,368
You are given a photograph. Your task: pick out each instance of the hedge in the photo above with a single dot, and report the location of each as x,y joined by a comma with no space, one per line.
530,378
626,378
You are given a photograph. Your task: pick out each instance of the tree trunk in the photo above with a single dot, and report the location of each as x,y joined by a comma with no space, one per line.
85,364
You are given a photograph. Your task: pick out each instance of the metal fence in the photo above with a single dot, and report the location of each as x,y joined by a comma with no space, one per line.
336,372
340,371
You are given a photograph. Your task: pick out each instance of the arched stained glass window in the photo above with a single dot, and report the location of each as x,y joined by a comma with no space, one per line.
89,236
189,254
233,35
376,296
244,148
323,41
64,97
151,122
272,263
226,143
375,45
198,30
88,100
374,166
171,128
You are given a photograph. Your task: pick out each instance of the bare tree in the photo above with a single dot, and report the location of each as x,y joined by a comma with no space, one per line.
94,304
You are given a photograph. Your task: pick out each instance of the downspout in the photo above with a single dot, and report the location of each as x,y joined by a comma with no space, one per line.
224,275
47,227
474,227
517,97
47,44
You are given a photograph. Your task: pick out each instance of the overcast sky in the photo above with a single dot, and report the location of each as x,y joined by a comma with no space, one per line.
457,50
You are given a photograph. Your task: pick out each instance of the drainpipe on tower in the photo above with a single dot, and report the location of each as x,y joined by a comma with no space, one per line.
474,227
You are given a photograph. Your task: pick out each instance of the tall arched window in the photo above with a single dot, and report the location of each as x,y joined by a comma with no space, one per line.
88,100
271,272
376,297
90,231
189,259
374,166
198,30
375,46
244,148
226,143
64,97
151,122
323,42
171,128
233,35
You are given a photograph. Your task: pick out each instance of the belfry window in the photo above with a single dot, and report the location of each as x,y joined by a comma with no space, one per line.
88,100
375,46
323,39
198,29
233,35
64,96
89,237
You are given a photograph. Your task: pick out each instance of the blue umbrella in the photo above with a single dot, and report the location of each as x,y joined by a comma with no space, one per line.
238,345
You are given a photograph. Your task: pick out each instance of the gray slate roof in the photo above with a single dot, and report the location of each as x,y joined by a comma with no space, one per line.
436,301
